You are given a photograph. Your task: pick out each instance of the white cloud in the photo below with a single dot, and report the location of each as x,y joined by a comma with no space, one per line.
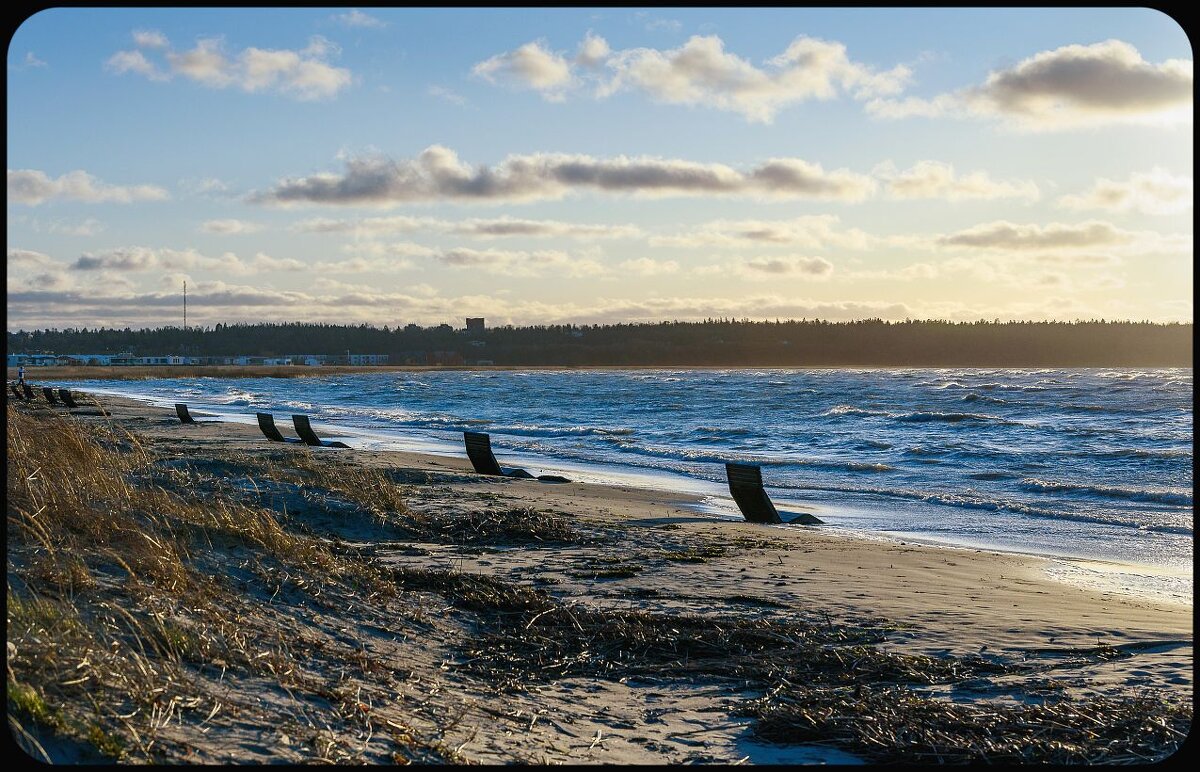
1093,242
593,50
443,93
377,256
1068,87
437,174
669,25
1006,235
809,231
510,226
519,263
364,265
531,66
778,267
934,179
138,259
498,227
33,187
27,258
302,75
150,38
356,18
263,262
1154,192
699,73
911,272
88,227
135,61
31,60
645,266
230,226
206,186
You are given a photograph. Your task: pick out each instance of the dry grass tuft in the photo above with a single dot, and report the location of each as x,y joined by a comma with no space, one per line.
505,526
141,614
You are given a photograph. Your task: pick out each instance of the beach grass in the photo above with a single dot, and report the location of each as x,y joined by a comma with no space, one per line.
132,606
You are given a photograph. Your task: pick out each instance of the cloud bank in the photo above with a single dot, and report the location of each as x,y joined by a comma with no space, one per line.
437,174
498,227
1154,192
1068,87
303,74
33,187
698,73
230,226
934,179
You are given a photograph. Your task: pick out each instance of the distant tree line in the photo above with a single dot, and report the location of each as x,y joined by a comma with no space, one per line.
718,342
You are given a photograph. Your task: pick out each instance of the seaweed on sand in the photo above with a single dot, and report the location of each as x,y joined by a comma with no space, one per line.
897,725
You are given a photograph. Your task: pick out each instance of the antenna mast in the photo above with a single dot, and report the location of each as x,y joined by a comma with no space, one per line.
185,305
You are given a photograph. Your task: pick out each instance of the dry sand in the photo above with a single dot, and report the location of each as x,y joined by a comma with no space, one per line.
939,600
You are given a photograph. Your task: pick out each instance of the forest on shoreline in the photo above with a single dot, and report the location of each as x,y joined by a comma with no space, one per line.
713,342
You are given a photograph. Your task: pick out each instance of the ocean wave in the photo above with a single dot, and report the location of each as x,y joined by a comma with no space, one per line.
839,410
1151,453
1178,530
967,501
924,416
1010,387
1159,496
237,398
973,397
707,456
533,430
921,416
734,431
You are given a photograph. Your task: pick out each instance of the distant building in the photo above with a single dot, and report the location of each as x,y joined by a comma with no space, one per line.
36,360
368,359
167,360
475,325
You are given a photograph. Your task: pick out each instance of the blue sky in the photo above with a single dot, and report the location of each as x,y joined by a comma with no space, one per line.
595,165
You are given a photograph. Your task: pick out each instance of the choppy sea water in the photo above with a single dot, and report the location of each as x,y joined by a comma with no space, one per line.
1087,464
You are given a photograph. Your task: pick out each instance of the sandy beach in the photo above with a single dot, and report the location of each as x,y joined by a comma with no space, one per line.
1018,636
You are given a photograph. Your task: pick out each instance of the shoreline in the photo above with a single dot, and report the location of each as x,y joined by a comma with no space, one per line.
147,372
660,560
1152,582
693,503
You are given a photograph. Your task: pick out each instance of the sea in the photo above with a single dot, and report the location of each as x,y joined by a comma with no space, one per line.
1091,468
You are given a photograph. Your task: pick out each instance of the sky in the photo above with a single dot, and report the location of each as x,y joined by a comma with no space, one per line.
390,166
